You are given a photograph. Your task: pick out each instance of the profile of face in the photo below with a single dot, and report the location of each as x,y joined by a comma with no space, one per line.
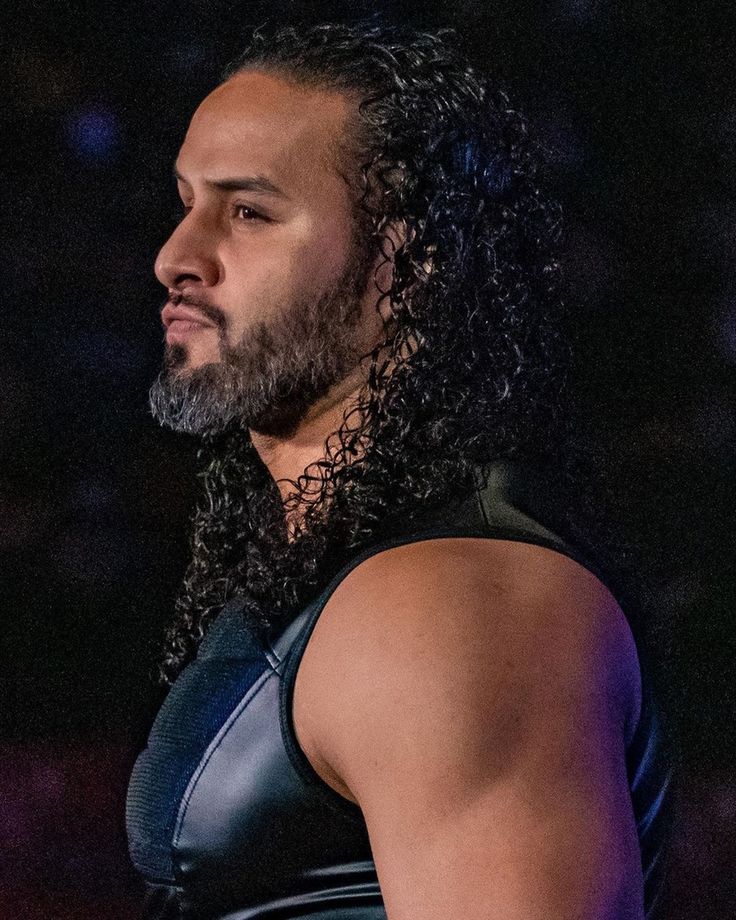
272,294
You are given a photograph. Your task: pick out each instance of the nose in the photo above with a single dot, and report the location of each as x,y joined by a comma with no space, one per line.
188,256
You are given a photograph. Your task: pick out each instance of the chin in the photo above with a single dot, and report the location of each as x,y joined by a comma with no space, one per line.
182,359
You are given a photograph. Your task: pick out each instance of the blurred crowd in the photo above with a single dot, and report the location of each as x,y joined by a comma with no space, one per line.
636,106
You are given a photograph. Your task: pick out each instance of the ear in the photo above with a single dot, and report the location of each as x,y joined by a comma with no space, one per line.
393,235
391,238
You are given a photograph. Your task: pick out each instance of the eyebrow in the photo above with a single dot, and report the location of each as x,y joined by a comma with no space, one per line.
258,184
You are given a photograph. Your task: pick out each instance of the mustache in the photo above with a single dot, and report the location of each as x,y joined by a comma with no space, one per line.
209,311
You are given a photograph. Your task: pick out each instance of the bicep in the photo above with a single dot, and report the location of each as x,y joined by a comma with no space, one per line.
481,730
514,807
535,843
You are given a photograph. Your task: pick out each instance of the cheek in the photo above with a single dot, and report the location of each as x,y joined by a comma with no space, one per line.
257,280
272,272
322,259
309,269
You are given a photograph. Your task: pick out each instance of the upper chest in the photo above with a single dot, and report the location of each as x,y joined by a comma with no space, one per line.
215,804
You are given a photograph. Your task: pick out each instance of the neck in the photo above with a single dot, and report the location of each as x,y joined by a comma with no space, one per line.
287,458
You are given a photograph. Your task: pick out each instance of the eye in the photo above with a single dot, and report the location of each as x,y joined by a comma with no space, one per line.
245,212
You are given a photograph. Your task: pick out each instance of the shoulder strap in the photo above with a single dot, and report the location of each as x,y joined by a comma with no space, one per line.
513,500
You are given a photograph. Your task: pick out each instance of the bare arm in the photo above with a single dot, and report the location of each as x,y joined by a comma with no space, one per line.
474,698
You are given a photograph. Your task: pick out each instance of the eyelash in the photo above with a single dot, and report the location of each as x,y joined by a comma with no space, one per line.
254,215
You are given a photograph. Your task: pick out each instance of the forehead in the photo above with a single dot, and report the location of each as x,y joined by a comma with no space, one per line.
260,123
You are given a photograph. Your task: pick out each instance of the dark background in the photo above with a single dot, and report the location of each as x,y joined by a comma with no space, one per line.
637,105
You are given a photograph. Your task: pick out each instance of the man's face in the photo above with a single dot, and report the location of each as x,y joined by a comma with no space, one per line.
272,298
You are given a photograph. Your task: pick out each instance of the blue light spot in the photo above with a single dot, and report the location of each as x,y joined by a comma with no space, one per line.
93,134
583,11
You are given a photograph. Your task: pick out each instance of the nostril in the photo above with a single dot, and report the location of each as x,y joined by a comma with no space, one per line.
187,278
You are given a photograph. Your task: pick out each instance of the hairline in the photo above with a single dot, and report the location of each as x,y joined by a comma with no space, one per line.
346,150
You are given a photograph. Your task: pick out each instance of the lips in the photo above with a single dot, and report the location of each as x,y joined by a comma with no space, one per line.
183,318
182,322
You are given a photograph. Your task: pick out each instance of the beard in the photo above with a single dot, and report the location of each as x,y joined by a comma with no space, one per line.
267,381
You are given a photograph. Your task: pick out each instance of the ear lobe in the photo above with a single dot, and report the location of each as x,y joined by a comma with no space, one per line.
396,234
391,238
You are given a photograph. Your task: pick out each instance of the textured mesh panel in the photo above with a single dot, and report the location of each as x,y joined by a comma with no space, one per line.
206,692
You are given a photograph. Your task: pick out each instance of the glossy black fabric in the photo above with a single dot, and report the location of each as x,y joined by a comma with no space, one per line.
226,818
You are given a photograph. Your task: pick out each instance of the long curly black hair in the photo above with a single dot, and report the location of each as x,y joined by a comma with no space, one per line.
474,343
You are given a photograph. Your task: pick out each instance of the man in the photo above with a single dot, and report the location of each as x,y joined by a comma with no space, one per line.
398,691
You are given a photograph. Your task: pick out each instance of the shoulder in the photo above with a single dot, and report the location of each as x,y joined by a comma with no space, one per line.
435,638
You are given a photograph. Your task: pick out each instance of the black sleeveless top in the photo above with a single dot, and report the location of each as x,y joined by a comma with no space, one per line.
227,820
